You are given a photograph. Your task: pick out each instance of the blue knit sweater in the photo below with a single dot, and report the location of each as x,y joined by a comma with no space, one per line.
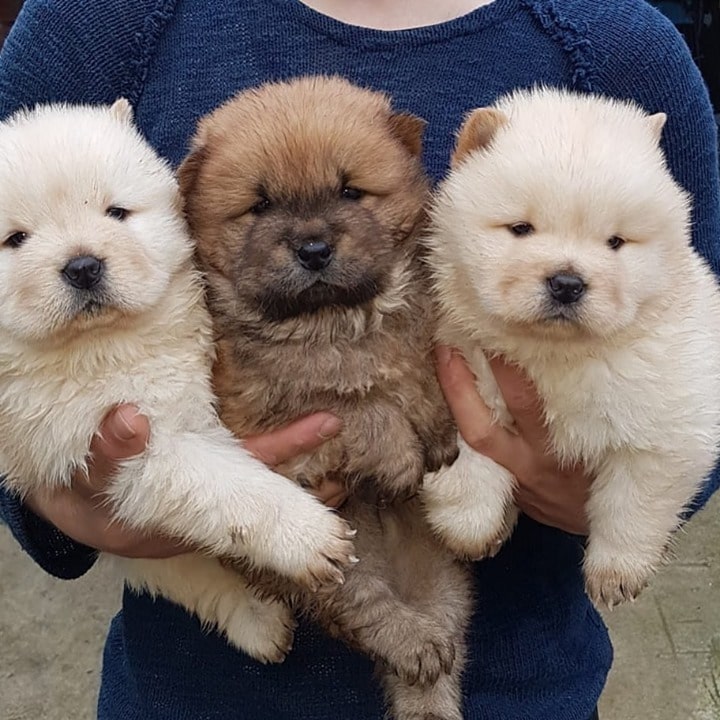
539,650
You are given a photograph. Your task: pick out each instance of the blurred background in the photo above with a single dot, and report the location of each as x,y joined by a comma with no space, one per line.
8,12
699,23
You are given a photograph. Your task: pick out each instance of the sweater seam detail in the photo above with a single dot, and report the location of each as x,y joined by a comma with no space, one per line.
145,44
572,37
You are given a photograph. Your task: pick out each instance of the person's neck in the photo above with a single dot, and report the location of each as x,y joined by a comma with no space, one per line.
394,14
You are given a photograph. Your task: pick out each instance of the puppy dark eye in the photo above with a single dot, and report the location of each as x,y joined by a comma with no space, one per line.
15,240
615,242
521,229
351,193
261,206
117,213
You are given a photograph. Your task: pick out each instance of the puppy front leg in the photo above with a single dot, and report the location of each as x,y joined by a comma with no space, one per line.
634,508
382,444
469,505
204,488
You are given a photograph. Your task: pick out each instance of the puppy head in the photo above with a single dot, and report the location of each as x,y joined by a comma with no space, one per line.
559,216
304,197
90,221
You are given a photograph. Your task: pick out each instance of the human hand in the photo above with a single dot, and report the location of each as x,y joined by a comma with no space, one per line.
82,513
546,492
278,446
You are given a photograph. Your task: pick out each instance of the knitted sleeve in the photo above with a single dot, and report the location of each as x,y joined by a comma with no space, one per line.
647,60
80,52
69,51
52,550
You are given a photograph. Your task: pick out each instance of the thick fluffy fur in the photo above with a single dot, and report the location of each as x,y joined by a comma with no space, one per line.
548,186
320,163
142,334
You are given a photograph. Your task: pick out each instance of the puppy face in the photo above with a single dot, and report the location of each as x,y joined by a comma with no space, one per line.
302,196
89,221
559,216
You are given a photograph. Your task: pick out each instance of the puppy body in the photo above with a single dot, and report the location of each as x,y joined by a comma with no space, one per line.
100,305
560,241
306,199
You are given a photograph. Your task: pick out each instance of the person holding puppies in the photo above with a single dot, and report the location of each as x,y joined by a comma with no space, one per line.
538,648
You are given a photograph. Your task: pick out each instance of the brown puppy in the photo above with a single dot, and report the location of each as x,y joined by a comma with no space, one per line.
306,199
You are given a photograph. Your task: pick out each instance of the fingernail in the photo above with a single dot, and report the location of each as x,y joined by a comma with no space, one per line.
123,429
330,427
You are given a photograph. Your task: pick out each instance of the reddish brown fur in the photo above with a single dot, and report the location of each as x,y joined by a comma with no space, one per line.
477,132
364,354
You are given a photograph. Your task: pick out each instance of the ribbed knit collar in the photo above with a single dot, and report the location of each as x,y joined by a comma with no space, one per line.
473,21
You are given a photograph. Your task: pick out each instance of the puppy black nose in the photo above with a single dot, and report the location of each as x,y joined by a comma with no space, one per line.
315,255
566,289
84,272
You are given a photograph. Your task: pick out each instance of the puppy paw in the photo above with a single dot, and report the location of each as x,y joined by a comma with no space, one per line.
611,587
441,455
469,530
450,714
486,541
423,657
401,478
614,579
469,505
264,629
312,549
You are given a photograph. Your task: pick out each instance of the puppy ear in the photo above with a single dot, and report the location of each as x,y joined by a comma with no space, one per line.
189,169
656,123
409,130
477,132
122,110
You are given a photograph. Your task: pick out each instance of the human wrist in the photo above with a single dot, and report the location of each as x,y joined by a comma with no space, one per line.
48,546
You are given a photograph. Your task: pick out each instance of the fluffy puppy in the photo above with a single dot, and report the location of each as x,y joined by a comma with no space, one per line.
561,242
100,305
306,199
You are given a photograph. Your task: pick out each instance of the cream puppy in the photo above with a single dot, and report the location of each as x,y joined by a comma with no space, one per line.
561,242
99,305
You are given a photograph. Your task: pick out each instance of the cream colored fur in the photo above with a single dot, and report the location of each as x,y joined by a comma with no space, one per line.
630,380
145,338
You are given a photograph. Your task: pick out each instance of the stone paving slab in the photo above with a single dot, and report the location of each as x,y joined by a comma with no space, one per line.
667,644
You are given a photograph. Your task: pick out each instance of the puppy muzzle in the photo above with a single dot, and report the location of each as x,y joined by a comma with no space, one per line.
84,273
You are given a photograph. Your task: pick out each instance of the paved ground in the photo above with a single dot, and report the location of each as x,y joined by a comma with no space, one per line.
667,644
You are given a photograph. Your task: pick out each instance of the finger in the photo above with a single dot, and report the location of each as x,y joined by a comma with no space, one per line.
328,489
472,416
128,543
302,436
82,520
338,500
332,493
123,434
576,524
522,401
